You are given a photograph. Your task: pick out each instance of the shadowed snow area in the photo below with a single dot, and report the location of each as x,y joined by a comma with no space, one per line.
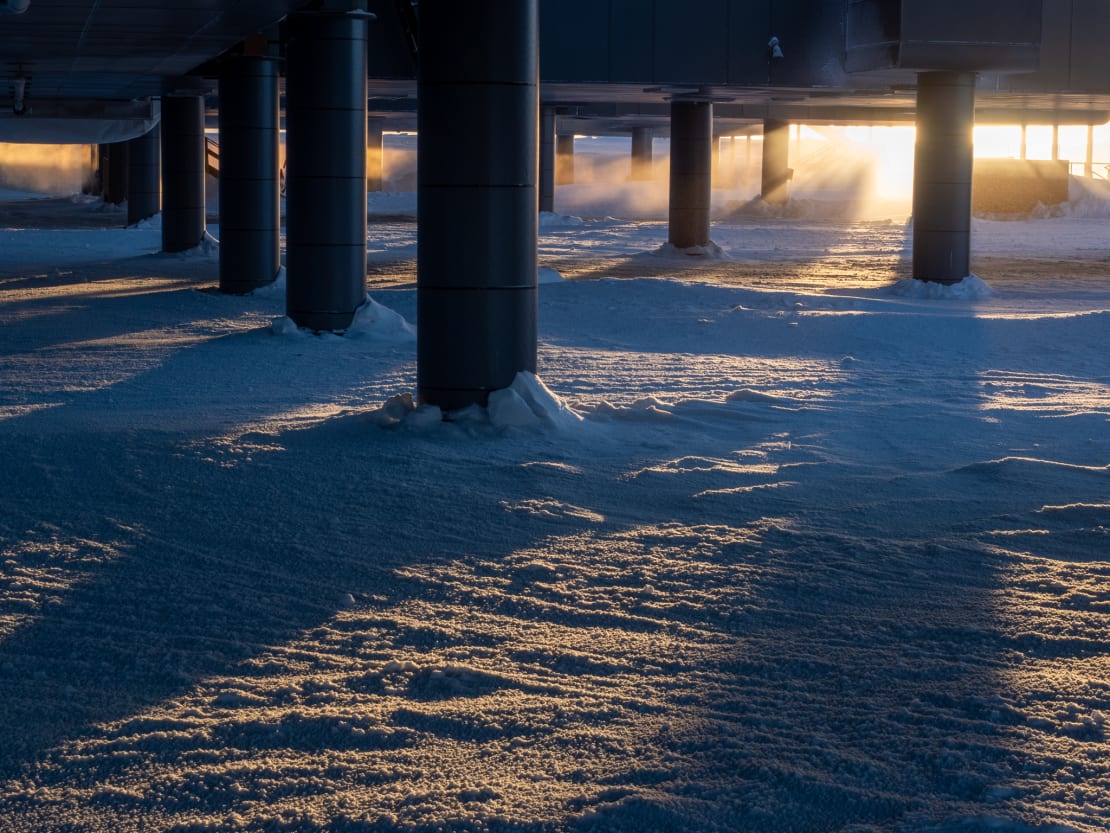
770,543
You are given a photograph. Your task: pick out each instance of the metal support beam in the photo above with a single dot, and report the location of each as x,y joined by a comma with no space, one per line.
476,282
942,176
775,181
375,154
1089,157
547,158
250,198
183,209
564,160
144,178
642,167
691,173
114,171
325,180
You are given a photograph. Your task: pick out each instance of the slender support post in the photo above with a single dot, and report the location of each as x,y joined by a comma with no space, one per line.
1055,143
564,160
1023,152
642,161
144,180
250,198
375,154
183,208
113,172
942,176
1089,161
477,206
547,158
775,181
691,173
325,183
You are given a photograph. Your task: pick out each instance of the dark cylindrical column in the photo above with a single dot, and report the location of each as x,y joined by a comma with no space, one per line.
641,154
477,198
182,172
144,180
774,184
547,159
942,176
375,154
114,166
691,173
564,160
250,198
325,179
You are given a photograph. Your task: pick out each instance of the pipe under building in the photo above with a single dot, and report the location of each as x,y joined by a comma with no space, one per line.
477,200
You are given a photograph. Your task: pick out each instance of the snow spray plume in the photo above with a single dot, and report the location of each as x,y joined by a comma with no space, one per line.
49,169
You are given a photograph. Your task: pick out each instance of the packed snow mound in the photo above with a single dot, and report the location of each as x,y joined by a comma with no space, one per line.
275,289
401,411
546,274
529,403
380,322
206,249
371,320
710,251
971,288
551,220
154,222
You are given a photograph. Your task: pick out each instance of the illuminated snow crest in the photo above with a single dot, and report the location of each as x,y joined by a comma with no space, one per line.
529,403
380,322
548,275
970,288
710,251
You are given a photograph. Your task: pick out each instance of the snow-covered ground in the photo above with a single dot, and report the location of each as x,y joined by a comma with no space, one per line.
801,551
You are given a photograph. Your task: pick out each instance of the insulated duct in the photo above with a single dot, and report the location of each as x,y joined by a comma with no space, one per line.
14,6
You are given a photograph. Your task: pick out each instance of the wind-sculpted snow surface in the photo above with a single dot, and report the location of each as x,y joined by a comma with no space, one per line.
764,553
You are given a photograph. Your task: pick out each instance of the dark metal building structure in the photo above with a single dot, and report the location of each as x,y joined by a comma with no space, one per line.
111,71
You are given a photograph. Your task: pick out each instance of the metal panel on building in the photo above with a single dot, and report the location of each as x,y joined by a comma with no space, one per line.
691,43
962,35
575,41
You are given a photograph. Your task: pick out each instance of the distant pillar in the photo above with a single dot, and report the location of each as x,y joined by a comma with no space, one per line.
1055,143
1023,152
1089,161
691,173
325,180
183,221
942,176
547,158
477,203
112,165
250,198
564,160
144,179
642,161
775,182
375,154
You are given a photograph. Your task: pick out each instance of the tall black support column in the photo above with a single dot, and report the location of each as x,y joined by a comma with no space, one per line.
641,154
375,154
250,199
547,159
477,198
144,179
691,173
942,176
564,160
325,180
114,171
775,182
182,172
